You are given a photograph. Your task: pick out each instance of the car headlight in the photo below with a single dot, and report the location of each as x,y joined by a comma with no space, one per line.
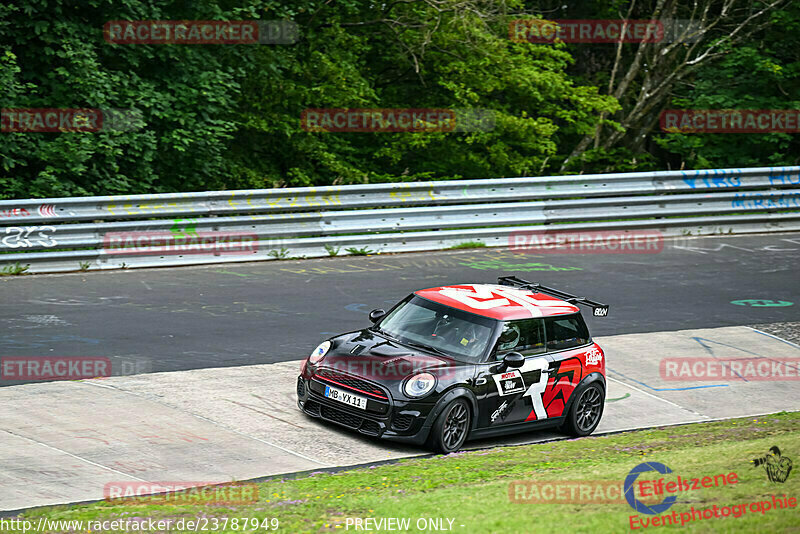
320,352
419,385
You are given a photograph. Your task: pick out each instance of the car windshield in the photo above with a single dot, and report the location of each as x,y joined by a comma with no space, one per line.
459,334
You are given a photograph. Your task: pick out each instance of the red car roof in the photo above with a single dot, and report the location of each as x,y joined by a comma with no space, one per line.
498,302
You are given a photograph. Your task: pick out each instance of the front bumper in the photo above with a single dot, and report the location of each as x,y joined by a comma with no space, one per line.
391,419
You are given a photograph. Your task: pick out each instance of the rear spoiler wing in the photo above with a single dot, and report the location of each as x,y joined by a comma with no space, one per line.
598,309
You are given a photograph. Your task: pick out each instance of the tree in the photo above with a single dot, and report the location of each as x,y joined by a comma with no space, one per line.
642,77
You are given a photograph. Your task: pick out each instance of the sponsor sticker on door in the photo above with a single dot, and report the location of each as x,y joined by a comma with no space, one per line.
509,383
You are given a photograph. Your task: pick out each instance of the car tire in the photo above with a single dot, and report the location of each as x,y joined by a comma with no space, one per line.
451,428
587,410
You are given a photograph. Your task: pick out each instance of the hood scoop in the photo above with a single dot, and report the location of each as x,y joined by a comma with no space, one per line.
389,351
416,361
358,349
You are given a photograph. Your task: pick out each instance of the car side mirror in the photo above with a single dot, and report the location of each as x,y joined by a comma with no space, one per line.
513,360
377,315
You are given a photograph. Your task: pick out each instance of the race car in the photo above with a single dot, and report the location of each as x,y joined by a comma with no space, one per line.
452,363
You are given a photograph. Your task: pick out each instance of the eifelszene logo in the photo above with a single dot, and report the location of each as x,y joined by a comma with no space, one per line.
638,505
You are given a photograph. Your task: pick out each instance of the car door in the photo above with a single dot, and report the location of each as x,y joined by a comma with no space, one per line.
567,339
508,396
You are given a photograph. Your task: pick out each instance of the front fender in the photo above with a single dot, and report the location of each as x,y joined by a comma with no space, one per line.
445,399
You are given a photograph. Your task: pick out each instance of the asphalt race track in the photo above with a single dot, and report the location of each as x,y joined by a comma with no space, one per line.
179,415
158,320
65,441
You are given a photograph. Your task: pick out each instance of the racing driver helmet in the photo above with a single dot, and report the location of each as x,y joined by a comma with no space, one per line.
509,337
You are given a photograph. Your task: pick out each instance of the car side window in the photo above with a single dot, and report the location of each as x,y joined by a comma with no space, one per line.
566,332
525,336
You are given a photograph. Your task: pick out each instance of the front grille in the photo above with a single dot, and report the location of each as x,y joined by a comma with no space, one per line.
301,387
363,425
351,382
370,427
312,408
343,418
403,422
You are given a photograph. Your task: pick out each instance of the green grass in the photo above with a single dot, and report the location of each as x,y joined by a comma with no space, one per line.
14,270
472,487
281,254
364,251
469,244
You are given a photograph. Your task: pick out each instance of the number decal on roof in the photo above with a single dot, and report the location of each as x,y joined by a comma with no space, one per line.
467,297
498,296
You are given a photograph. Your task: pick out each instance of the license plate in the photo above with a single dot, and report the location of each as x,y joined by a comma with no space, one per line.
345,397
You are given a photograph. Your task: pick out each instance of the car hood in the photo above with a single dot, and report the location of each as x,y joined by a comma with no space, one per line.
368,354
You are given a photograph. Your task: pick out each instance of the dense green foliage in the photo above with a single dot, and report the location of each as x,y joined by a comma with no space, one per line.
228,116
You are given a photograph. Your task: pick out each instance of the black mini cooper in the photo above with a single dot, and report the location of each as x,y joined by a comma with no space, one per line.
452,363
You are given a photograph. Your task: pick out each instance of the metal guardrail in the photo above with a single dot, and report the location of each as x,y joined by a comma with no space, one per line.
67,234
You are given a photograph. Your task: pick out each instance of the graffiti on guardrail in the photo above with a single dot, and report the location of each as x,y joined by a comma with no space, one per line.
404,193
310,200
720,178
786,178
184,227
14,212
44,210
302,213
24,236
47,210
134,209
762,201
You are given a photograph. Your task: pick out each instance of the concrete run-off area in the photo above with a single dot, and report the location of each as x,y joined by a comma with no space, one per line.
64,442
